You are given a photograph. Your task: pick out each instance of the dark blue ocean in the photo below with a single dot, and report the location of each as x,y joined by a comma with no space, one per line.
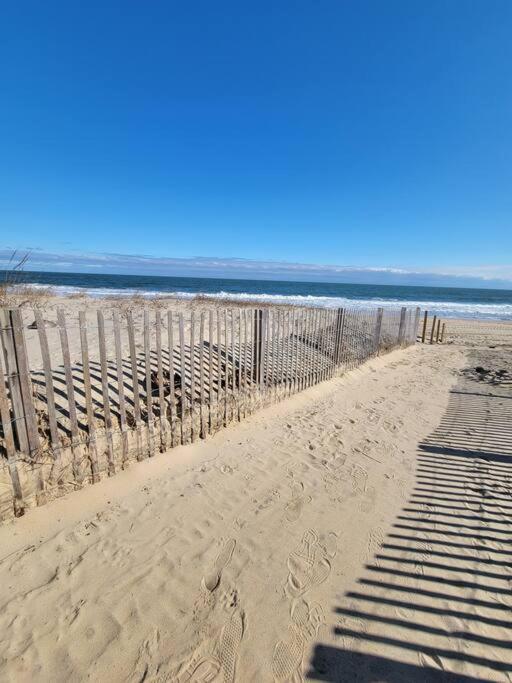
490,304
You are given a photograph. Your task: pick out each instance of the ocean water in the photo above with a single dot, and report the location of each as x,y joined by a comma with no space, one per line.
487,304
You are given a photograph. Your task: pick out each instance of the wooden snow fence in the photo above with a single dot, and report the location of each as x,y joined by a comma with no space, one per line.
83,397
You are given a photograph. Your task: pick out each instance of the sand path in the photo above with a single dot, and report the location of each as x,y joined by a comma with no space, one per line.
271,551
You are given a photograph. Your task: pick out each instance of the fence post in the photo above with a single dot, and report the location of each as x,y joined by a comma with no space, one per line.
401,329
5,416
438,329
257,346
25,381
442,332
433,329
378,328
414,335
340,315
13,380
423,334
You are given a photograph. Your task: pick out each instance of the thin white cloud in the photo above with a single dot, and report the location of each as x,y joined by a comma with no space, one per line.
215,266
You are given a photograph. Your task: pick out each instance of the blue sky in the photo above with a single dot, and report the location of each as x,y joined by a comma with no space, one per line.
368,134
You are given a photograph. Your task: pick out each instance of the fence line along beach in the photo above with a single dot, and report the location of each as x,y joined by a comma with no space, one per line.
89,391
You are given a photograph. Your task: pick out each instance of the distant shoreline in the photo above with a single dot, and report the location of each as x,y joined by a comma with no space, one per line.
473,304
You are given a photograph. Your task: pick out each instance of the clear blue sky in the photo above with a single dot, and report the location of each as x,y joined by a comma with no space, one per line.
360,133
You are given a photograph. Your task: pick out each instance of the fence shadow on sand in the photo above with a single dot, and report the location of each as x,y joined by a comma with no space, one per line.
434,604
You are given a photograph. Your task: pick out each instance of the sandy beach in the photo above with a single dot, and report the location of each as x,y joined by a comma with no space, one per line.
256,342
357,531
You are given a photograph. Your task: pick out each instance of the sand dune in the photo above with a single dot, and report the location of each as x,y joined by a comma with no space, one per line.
358,531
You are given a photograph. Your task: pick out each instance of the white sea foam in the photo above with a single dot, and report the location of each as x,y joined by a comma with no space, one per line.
447,309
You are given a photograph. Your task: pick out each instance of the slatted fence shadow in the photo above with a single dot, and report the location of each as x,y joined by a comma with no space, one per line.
81,398
433,603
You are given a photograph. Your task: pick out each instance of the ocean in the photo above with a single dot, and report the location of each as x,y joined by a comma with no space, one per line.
485,304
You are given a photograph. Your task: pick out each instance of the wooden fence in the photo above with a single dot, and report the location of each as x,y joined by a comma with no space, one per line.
80,398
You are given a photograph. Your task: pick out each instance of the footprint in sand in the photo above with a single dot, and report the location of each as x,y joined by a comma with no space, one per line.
307,619
293,508
329,543
368,502
307,566
211,580
230,640
214,662
200,670
288,653
287,658
359,478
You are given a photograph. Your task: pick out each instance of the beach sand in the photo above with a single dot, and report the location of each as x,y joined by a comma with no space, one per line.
359,531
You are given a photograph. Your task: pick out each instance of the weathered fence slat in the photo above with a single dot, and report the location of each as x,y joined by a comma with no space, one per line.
23,370
301,355
280,353
183,384
332,343
434,321
314,346
226,368
218,420
48,382
233,364
107,416
202,432
328,344
319,343
162,406
141,454
193,431
210,372
303,349
424,332
401,329
149,385
273,353
245,407
282,356
240,360
305,373
18,502
73,420
120,390
263,351
378,329
289,352
13,380
310,327
172,394
92,451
